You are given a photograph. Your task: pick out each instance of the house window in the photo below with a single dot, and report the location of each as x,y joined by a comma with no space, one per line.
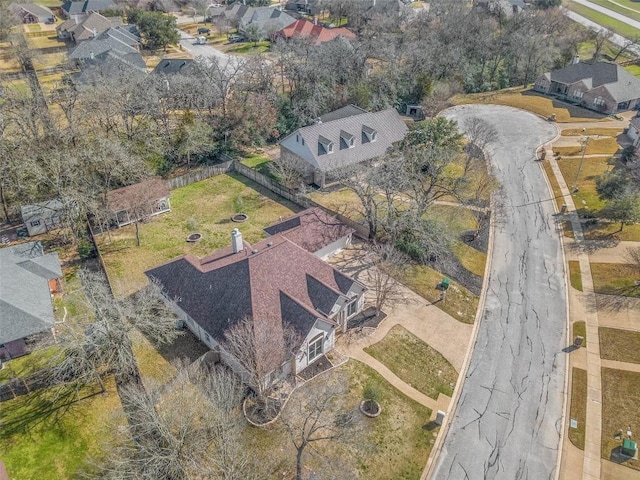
297,138
325,146
35,223
352,308
369,134
598,101
303,142
315,347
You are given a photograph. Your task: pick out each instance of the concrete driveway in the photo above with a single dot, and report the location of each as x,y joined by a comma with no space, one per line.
188,42
508,419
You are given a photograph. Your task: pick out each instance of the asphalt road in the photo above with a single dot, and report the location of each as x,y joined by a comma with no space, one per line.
610,13
508,420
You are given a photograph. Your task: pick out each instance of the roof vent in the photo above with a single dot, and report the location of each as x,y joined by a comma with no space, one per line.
254,251
270,244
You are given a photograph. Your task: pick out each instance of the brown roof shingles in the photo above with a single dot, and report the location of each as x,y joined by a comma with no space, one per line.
131,196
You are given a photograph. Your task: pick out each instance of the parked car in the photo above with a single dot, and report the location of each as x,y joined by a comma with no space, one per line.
235,38
203,30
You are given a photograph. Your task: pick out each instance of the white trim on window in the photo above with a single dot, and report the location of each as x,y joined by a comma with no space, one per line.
314,349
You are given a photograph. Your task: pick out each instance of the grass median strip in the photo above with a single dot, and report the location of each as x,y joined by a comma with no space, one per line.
578,410
415,362
575,275
580,329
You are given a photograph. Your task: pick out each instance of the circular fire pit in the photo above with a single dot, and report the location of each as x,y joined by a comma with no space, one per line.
240,217
194,237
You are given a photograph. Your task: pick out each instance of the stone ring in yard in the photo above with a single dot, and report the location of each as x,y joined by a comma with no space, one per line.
240,217
194,237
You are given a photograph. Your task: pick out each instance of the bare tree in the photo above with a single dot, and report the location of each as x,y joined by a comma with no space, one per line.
260,348
479,133
387,265
318,412
198,426
287,171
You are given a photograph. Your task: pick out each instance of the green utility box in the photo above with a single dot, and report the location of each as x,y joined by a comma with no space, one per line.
629,447
445,283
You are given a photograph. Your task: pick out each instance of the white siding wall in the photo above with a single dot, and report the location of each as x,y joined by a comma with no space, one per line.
320,327
333,248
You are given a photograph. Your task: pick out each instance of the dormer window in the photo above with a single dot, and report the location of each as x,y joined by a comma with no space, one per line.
325,146
297,138
346,140
368,134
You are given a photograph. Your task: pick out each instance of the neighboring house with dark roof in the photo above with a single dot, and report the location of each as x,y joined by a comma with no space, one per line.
42,217
341,138
274,282
167,6
28,279
266,20
138,201
70,8
314,230
85,26
309,7
31,13
172,66
634,131
601,86
314,33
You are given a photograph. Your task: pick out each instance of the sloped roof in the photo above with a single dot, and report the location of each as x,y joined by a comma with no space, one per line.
48,209
267,17
124,198
388,125
635,123
279,283
620,84
172,66
25,298
305,29
86,27
32,8
71,7
311,229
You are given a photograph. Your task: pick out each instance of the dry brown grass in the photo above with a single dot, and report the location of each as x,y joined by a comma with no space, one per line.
529,100
578,406
596,146
620,400
605,132
415,362
619,345
592,167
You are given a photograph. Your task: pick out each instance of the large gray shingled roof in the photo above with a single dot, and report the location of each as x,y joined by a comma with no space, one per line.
25,298
388,126
620,84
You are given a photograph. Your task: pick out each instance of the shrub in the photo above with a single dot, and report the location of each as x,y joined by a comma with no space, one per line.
86,249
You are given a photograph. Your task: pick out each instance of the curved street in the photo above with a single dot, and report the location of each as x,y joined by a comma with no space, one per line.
508,419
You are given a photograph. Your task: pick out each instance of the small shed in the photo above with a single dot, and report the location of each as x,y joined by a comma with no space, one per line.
42,217
138,201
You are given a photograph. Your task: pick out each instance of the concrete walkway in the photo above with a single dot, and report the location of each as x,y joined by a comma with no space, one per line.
423,319
591,467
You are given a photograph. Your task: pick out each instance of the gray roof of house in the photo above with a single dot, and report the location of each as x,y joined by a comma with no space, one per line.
40,210
389,127
172,66
344,112
71,7
267,18
635,123
621,84
25,298
33,8
120,41
88,27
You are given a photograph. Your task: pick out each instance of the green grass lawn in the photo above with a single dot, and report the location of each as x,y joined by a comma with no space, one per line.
58,448
415,362
615,279
578,406
205,207
580,329
470,258
606,21
586,196
460,303
258,162
620,400
248,48
574,274
632,11
629,233
529,100
619,345
394,445
634,69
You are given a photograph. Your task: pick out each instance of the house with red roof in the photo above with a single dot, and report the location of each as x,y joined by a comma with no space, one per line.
277,283
314,33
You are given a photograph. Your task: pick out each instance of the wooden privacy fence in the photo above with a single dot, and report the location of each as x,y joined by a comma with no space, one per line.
231,165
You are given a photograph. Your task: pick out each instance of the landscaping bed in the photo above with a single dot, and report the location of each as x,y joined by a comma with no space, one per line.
415,362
